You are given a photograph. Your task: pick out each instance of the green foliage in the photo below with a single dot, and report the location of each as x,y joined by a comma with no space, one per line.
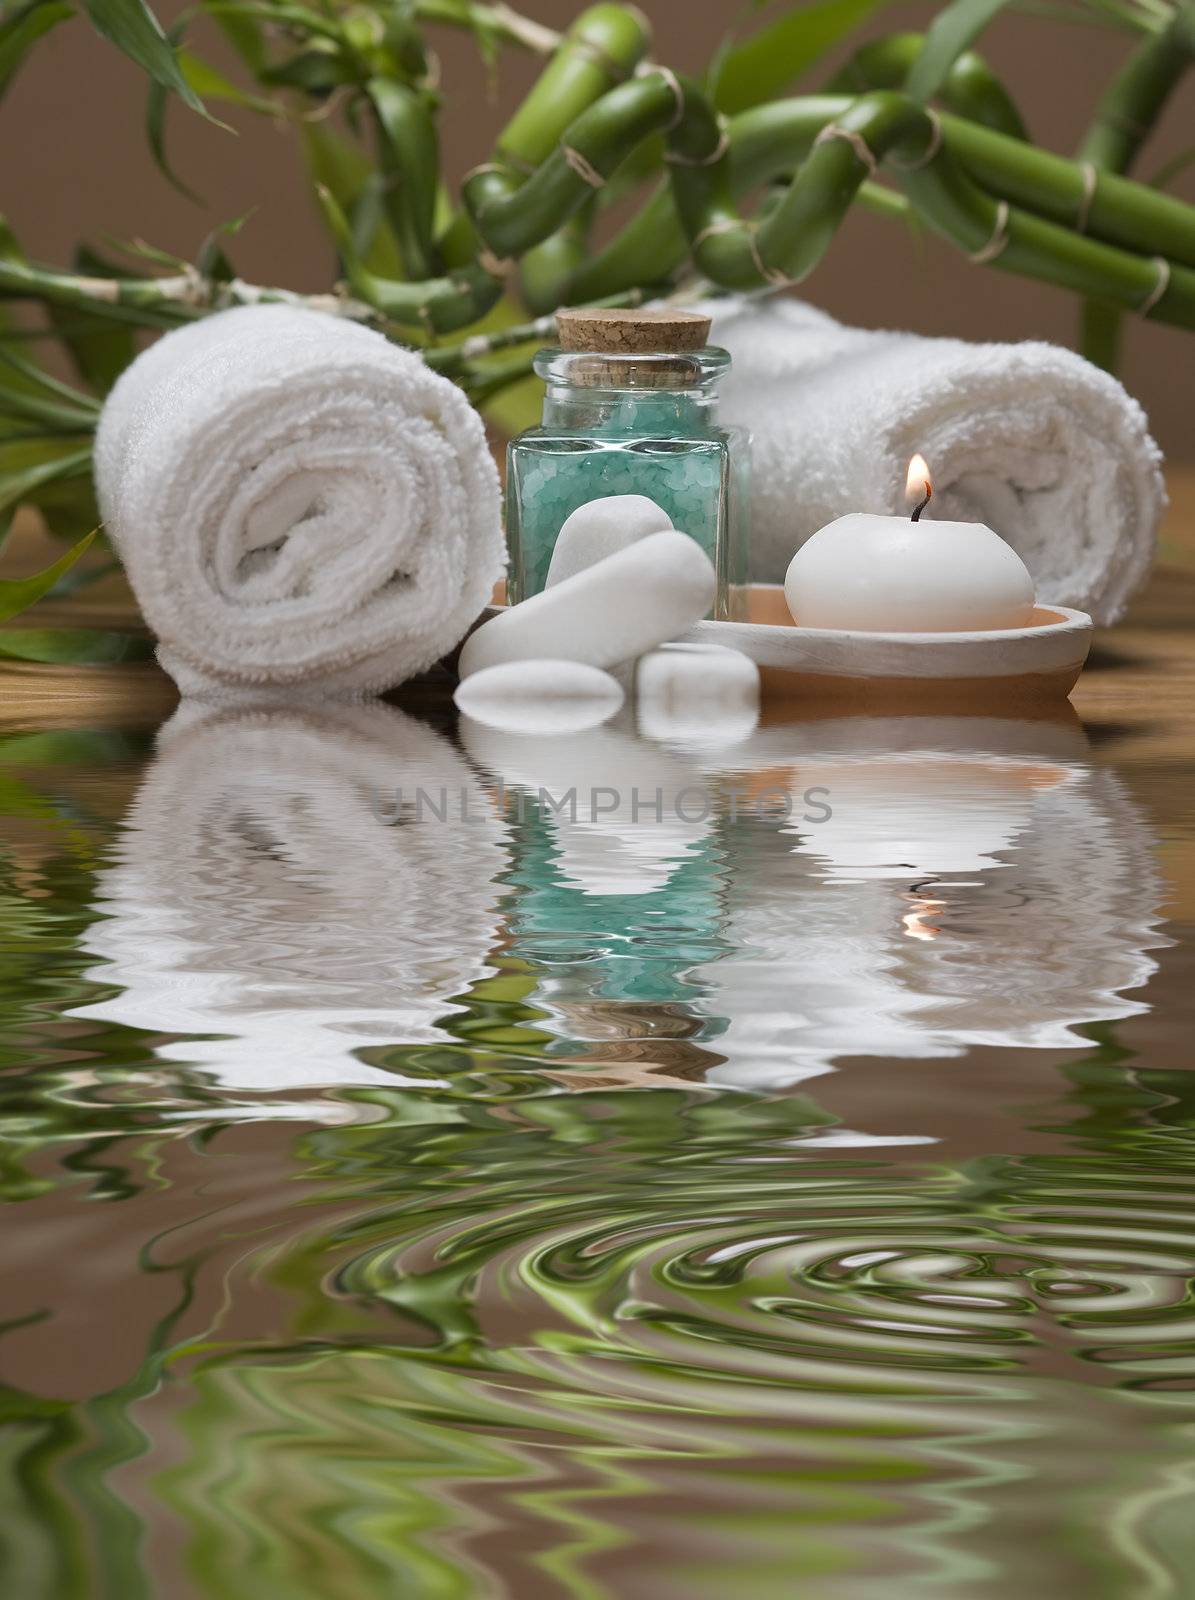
133,29
18,594
357,88
952,32
21,27
766,64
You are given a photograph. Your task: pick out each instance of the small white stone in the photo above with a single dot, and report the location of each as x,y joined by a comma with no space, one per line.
543,696
600,528
617,609
697,694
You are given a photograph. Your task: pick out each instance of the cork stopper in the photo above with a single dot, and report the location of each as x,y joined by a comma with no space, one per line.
603,330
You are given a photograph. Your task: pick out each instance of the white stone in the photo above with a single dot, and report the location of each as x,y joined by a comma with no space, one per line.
542,696
621,607
600,528
697,694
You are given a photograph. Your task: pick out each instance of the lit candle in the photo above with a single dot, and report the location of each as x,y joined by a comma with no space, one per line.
901,575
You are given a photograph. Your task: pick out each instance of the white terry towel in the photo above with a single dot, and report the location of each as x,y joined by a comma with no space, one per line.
1029,438
298,504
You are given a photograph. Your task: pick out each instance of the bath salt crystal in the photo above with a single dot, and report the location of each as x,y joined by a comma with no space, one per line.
600,528
541,696
702,693
621,607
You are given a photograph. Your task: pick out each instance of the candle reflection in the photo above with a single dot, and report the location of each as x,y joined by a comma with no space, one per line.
978,882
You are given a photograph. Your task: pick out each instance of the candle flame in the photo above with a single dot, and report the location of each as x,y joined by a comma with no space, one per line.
918,484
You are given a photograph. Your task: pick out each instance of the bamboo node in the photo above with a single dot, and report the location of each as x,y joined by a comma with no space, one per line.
583,168
675,159
726,225
107,289
1090,178
485,166
931,149
999,239
772,275
1159,288
863,151
590,50
678,94
496,266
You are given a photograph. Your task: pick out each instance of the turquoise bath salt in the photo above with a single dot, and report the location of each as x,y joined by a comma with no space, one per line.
620,420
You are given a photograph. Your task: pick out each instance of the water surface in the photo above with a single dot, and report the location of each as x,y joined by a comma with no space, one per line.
708,1196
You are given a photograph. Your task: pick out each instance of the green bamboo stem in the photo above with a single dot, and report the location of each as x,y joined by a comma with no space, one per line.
603,46
458,358
1124,120
770,140
513,216
548,266
1113,209
160,302
491,21
971,90
1130,109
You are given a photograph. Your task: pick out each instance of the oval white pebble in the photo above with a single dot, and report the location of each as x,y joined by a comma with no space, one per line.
542,696
619,608
697,692
601,528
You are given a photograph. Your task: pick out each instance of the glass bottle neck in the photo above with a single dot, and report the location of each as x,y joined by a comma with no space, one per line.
657,392
630,411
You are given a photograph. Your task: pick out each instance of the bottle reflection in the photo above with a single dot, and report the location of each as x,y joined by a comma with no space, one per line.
616,890
302,883
977,882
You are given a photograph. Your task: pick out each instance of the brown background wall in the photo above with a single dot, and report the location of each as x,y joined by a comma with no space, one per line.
74,164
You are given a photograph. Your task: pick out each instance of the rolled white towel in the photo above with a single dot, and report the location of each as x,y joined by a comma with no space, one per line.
1046,449
298,504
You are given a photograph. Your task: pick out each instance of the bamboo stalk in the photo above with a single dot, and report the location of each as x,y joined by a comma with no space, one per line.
1124,120
513,217
971,89
495,21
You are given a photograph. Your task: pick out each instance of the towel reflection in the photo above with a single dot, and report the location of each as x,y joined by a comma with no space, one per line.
257,893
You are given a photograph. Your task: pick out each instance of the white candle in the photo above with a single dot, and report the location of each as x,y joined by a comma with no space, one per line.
900,575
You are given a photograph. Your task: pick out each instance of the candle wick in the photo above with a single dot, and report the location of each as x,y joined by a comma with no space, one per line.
929,494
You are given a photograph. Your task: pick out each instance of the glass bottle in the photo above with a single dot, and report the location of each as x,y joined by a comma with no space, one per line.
630,407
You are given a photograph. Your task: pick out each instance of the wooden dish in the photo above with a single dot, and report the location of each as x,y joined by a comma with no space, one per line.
1009,666
1020,670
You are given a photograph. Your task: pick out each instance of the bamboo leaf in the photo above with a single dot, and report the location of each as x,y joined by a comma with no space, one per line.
315,71
244,33
212,262
952,31
1167,173
18,594
410,159
82,406
762,66
67,507
340,167
76,646
22,28
133,29
27,465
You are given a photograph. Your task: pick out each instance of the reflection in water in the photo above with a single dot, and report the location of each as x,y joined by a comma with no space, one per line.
616,891
258,895
977,883
474,1335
